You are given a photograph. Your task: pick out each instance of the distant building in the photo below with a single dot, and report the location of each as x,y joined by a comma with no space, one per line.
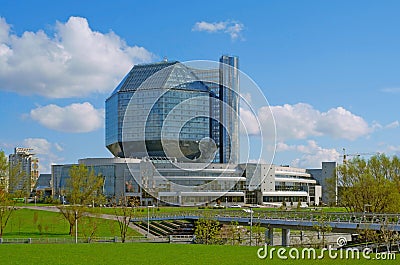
226,183
280,184
328,170
43,185
23,171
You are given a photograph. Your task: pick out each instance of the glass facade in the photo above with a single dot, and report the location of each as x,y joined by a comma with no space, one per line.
229,112
168,104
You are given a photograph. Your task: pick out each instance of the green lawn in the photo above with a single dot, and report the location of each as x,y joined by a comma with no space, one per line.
27,223
149,253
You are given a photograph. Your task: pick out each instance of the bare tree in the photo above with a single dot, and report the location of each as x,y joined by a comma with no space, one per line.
322,226
124,214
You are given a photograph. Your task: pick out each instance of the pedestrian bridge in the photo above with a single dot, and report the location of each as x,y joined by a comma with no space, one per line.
286,220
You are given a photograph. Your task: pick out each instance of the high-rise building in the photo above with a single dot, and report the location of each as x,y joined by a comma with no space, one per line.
229,111
24,171
168,109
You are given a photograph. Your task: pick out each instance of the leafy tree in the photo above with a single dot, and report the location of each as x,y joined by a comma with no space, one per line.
258,234
7,206
82,189
375,183
207,231
18,184
3,171
234,232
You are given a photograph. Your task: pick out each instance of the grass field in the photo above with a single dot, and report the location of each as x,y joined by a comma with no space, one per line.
149,253
142,211
27,223
33,223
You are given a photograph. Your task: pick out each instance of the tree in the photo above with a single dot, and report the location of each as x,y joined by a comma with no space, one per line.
322,226
124,214
207,231
375,183
18,184
7,206
83,188
3,171
258,235
234,232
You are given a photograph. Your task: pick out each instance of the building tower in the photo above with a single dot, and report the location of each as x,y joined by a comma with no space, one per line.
24,171
137,110
229,112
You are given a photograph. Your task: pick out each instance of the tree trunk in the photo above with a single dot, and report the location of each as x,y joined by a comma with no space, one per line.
71,229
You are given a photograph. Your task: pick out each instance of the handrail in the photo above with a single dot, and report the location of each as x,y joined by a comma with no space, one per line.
335,217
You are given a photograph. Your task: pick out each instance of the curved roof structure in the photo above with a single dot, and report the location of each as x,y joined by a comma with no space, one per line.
160,75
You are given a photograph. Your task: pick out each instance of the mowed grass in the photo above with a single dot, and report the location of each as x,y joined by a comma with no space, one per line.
142,211
150,253
28,223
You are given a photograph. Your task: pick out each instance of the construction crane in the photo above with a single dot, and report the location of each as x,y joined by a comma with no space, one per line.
346,156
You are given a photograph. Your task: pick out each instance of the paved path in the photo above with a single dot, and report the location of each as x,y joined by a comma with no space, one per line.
103,216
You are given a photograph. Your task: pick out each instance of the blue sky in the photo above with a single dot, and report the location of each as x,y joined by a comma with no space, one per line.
329,69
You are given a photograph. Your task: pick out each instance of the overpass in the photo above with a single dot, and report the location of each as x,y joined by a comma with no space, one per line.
287,220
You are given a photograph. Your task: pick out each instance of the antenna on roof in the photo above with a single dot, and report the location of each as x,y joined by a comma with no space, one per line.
165,59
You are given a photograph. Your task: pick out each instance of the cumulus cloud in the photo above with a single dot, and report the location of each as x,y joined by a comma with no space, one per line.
301,121
76,61
46,151
311,154
249,123
75,118
233,28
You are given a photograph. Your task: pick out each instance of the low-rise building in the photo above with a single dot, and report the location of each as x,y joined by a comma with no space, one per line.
153,181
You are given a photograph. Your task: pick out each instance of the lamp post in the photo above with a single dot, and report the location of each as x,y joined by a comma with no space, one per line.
148,221
148,218
76,227
365,210
251,224
365,220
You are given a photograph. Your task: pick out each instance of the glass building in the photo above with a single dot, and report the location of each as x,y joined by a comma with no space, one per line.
167,109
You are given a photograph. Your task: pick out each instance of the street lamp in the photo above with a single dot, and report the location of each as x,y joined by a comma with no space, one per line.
148,219
76,227
365,210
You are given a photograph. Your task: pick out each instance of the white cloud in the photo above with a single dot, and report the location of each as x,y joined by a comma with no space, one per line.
341,123
45,151
313,155
249,123
301,121
233,28
75,118
58,147
76,61
392,90
393,125
209,27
